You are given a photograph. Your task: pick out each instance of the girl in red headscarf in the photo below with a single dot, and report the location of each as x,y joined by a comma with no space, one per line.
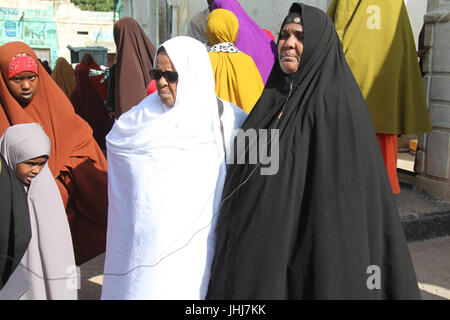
28,94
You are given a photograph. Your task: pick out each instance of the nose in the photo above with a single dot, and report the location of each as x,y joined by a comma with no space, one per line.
162,82
290,42
36,169
26,85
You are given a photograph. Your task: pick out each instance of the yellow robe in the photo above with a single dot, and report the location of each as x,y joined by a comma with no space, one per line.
236,76
379,47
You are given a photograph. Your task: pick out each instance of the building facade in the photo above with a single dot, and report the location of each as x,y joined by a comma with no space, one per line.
49,26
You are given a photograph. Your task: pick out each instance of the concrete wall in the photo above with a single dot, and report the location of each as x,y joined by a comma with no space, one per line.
34,24
147,14
79,28
416,10
267,13
433,157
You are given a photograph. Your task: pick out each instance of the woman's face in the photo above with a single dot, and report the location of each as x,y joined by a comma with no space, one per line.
23,86
29,169
290,47
167,90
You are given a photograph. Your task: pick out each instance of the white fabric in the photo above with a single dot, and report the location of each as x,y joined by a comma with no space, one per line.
166,173
227,47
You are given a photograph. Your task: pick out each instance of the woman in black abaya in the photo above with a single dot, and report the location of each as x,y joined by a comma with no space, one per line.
325,226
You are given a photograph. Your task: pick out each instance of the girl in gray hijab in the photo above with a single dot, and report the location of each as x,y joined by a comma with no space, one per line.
47,270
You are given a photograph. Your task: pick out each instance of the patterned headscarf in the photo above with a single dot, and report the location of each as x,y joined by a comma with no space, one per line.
20,63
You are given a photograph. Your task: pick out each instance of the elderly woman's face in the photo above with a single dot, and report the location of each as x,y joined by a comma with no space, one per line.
167,90
290,47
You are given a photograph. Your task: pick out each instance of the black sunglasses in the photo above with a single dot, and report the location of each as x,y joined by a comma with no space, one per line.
170,76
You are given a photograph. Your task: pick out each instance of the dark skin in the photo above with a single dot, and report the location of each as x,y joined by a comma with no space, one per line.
29,169
23,87
290,47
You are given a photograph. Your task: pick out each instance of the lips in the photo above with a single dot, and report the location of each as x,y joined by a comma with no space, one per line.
289,57
28,179
165,93
26,96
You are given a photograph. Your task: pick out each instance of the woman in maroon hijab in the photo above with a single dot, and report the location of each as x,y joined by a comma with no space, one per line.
88,105
87,62
135,54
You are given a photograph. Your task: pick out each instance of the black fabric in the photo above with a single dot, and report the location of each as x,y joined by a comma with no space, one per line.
314,229
110,96
292,17
15,228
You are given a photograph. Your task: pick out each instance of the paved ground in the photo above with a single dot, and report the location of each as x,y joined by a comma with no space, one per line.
91,279
431,259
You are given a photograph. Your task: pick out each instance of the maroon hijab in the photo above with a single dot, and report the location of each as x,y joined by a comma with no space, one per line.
135,55
88,105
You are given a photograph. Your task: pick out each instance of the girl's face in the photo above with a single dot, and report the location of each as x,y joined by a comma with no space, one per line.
23,86
29,169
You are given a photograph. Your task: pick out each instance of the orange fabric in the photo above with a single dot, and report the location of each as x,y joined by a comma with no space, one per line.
389,148
76,161
102,88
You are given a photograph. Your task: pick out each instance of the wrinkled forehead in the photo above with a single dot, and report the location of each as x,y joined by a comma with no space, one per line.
162,59
292,27
187,56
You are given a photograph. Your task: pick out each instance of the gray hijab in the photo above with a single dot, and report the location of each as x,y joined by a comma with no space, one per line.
48,263
24,142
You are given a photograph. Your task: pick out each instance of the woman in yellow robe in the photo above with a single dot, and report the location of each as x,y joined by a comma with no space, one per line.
236,76
379,47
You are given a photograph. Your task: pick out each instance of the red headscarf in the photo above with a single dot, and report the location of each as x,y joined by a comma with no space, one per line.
151,87
270,34
102,88
76,161
21,63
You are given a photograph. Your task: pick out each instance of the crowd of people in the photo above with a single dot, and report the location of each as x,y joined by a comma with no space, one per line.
153,167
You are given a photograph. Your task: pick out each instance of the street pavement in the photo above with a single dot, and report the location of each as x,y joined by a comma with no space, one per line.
431,260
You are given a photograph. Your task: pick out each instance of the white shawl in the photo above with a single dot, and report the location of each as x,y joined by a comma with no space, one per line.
166,172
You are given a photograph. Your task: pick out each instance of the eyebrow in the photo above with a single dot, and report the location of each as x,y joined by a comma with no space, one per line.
21,78
35,162
294,31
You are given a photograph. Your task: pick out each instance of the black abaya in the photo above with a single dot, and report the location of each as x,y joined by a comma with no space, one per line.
15,229
321,226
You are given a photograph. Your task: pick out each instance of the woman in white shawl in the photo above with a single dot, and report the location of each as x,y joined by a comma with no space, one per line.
47,270
166,169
